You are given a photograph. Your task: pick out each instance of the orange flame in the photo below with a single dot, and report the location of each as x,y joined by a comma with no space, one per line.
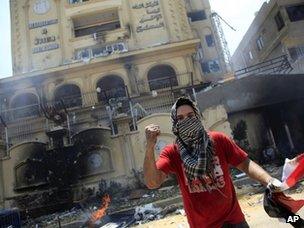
101,211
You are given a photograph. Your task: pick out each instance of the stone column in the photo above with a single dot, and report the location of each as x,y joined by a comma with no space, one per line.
132,72
122,122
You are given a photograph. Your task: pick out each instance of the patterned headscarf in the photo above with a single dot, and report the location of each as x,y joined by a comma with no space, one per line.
195,145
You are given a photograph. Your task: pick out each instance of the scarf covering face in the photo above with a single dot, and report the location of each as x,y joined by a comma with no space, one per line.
194,144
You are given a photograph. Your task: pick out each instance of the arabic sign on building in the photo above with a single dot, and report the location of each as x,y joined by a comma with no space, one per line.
101,51
151,17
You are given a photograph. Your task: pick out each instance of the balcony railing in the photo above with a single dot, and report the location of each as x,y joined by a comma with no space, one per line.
273,66
156,103
166,82
90,110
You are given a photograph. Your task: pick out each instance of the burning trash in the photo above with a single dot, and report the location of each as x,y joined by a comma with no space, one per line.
100,213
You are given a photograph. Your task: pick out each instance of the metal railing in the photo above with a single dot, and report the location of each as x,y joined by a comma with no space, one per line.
89,110
272,66
166,82
21,131
13,114
158,103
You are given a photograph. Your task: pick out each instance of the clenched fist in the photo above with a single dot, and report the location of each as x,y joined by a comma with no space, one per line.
152,131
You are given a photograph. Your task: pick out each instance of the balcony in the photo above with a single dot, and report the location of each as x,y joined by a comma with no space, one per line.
172,82
95,108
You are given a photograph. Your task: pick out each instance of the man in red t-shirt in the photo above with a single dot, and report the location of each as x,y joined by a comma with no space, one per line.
200,160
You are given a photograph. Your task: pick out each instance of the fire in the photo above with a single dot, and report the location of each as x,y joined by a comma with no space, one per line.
102,210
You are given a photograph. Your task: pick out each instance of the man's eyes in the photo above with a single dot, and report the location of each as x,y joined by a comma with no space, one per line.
183,117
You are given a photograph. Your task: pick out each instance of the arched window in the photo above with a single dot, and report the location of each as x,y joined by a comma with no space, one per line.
111,86
70,94
162,76
25,105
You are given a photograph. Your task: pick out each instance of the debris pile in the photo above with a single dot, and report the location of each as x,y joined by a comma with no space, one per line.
126,207
140,197
149,212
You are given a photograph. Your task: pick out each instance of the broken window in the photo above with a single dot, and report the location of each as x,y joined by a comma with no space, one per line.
24,105
260,43
70,95
30,173
161,76
211,66
295,12
96,23
111,86
197,16
210,40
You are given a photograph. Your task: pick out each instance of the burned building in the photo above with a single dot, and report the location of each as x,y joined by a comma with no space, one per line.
87,77
269,65
275,34
264,111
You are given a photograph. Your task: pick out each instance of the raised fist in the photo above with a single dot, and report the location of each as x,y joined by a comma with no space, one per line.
152,131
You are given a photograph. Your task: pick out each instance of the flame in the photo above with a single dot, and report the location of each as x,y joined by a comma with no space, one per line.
102,210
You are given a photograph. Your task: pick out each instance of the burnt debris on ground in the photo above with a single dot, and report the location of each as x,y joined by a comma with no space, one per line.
126,208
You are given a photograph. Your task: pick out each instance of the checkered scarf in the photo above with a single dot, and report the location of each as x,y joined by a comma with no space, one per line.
195,145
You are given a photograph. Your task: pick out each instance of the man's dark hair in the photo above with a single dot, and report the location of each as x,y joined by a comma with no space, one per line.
184,101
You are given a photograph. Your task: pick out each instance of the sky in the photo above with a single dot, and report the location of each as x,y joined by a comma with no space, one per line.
238,13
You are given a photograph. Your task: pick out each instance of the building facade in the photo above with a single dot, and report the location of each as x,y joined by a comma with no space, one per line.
275,31
88,77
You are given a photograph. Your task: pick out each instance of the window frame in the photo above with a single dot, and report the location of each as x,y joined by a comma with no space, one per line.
279,21
260,42
250,55
115,22
291,16
211,42
196,13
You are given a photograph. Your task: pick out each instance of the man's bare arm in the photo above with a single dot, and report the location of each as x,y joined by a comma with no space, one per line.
255,171
153,177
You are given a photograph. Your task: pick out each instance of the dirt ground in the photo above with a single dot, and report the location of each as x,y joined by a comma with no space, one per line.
252,207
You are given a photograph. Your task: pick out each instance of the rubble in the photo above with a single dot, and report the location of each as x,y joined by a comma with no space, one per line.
121,210
180,211
240,175
146,212
149,212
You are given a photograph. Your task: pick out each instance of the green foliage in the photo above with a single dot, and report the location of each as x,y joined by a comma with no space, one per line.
240,136
240,131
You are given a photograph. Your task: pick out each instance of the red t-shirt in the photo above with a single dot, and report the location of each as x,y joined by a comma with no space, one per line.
203,208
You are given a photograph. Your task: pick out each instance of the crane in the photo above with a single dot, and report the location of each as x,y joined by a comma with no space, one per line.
221,40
